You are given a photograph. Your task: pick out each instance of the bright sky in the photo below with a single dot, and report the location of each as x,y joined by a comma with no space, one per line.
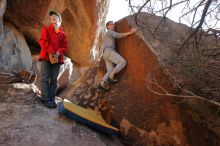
118,9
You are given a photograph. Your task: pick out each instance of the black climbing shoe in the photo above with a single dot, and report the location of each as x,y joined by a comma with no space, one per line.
103,88
113,81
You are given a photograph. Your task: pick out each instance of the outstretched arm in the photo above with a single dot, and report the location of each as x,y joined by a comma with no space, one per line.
122,35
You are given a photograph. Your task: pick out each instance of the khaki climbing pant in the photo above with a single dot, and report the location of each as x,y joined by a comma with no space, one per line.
113,61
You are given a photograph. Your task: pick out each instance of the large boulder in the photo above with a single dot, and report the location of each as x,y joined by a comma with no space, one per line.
145,104
152,117
194,65
15,53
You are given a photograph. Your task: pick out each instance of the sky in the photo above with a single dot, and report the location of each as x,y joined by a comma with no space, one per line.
118,9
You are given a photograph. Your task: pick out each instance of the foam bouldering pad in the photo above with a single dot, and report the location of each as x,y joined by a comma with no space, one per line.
88,117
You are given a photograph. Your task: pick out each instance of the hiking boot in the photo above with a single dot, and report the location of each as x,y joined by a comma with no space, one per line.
50,104
103,88
53,99
42,100
112,80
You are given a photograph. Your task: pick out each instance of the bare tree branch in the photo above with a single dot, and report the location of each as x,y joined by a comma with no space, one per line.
140,11
200,24
186,93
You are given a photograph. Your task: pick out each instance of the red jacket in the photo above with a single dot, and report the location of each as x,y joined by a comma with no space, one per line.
52,42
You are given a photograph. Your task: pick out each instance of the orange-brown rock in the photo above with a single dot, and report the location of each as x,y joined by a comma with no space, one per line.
157,117
145,118
193,66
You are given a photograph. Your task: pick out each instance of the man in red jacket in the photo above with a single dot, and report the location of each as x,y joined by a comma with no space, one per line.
53,45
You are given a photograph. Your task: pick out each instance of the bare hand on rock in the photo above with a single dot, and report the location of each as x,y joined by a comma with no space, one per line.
133,30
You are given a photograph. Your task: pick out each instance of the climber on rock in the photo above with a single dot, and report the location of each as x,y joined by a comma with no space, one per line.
53,46
114,62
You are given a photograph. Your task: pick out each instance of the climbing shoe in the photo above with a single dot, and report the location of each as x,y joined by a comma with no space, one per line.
112,80
103,88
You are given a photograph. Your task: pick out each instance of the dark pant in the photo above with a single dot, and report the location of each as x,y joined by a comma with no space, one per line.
49,85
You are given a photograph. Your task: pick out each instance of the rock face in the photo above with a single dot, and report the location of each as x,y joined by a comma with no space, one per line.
15,54
157,118
145,118
139,110
194,65
2,11
82,22
25,121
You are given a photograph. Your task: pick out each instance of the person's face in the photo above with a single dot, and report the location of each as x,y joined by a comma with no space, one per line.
111,26
55,20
